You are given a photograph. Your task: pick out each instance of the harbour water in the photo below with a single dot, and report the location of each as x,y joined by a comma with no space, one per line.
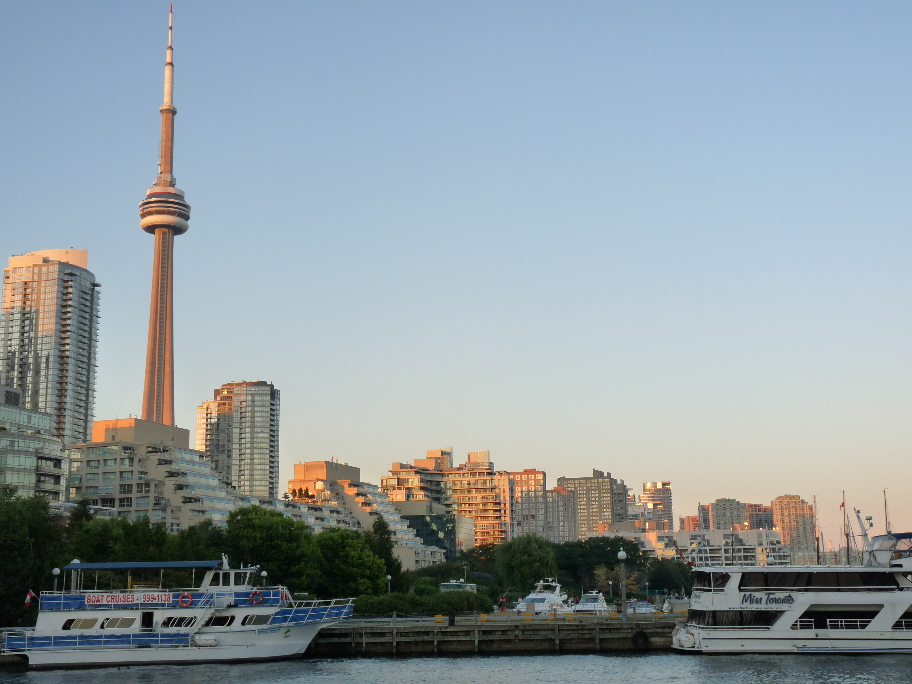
539,669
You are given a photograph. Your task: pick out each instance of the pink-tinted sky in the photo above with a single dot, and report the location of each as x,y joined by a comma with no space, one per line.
670,241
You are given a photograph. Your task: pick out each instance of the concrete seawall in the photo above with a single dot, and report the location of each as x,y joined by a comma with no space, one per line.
471,635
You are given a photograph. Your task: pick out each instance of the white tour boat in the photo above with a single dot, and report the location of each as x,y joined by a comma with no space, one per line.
547,597
805,609
592,603
226,618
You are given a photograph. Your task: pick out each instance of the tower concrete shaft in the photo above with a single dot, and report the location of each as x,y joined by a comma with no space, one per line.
164,213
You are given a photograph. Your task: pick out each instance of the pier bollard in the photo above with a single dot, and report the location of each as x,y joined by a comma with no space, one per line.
527,617
484,617
438,619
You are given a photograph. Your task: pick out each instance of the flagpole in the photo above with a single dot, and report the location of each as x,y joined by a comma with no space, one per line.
845,526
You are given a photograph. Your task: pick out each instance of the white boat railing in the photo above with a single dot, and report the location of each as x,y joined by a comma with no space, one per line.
20,641
848,624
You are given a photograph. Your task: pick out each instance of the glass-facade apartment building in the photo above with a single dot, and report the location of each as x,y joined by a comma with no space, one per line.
31,458
48,337
239,431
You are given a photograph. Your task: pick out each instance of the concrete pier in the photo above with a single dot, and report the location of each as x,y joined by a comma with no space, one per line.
483,635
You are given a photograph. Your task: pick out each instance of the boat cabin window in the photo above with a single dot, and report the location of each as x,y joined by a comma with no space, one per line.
240,579
818,581
85,623
176,621
256,619
219,621
734,618
118,623
710,580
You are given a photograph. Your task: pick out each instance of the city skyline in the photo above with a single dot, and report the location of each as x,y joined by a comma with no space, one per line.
666,255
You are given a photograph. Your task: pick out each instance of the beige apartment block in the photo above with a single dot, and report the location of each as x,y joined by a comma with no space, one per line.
601,501
530,504
562,516
794,518
146,470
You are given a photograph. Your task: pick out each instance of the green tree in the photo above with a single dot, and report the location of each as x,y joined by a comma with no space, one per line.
380,541
283,547
203,541
672,576
349,567
81,514
525,560
579,559
30,545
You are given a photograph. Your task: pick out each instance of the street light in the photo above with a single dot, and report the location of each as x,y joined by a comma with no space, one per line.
611,588
389,579
622,556
55,572
647,591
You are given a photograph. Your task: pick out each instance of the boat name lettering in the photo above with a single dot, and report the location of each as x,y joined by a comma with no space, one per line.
767,599
118,599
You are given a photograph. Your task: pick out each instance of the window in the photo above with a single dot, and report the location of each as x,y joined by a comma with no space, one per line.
85,623
142,502
109,477
108,503
110,463
118,623
91,477
93,465
219,621
178,621
216,580
256,619
143,488
126,475
126,489
125,502
126,463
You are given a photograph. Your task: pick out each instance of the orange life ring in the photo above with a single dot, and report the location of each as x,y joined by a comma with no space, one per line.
256,597
185,601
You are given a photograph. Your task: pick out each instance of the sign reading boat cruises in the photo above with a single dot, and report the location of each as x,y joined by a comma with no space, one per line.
126,599
766,600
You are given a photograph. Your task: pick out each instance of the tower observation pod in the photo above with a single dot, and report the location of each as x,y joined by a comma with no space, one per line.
164,213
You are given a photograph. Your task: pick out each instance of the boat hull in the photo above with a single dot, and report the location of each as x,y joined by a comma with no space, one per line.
819,641
274,643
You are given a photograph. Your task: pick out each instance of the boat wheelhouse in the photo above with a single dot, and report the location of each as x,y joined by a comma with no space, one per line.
232,615
800,609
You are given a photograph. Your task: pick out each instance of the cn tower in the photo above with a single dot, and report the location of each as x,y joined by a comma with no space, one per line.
164,214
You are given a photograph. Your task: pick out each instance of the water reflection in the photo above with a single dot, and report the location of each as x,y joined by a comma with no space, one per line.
534,669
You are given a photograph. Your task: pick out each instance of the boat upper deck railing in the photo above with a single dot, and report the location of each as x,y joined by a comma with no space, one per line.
146,599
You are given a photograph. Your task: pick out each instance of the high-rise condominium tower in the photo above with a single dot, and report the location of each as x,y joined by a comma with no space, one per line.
239,430
48,336
164,213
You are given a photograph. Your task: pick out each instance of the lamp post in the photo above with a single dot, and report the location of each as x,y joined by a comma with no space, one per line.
611,588
55,572
622,556
263,575
647,591
389,579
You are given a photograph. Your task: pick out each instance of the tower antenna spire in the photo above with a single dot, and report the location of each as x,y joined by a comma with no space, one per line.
164,213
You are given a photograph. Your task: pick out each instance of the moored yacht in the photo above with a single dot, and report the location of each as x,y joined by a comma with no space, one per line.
803,609
547,597
591,603
230,616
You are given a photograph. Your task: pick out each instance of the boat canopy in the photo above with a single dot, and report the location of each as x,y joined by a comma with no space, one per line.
165,565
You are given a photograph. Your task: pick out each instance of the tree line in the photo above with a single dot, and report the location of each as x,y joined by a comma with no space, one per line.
337,563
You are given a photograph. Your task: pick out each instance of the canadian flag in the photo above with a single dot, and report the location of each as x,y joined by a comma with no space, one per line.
842,505
29,596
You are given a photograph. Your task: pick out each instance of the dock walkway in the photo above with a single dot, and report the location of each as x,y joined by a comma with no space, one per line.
489,635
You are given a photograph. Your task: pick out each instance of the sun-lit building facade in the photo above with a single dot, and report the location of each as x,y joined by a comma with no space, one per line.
49,335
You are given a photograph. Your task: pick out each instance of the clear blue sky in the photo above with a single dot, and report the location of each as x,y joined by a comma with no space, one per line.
670,241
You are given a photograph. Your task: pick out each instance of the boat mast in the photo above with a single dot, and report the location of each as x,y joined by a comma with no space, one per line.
816,532
845,527
887,514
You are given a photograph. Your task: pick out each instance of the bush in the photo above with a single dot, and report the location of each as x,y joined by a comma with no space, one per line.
414,604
